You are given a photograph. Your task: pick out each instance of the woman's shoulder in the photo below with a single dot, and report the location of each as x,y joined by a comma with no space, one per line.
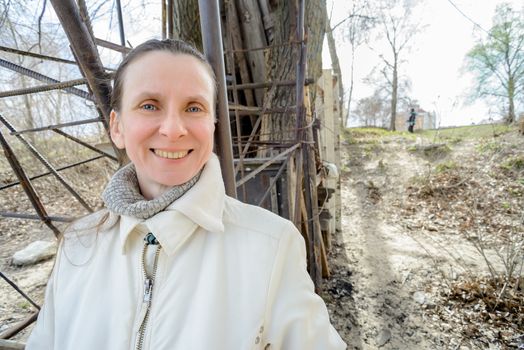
101,220
81,238
256,218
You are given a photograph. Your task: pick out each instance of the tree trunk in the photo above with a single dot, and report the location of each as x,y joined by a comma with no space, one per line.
282,61
254,36
187,22
394,93
351,84
276,29
511,104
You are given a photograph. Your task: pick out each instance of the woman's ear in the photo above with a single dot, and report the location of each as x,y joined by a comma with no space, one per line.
116,130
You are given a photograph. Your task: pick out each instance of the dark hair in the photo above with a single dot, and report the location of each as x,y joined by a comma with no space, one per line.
169,45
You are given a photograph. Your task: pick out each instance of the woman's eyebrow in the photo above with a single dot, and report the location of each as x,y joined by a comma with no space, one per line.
148,95
197,97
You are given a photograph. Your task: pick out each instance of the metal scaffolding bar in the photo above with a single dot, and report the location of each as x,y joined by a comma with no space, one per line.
170,19
266,164
274,180
112,46
20,291
85,144
260,111
212,43
42,88
120,24
11,332
57,126
264,48
26,185
49,173
35,55
41,77
8,214
85,51
49,167
266,84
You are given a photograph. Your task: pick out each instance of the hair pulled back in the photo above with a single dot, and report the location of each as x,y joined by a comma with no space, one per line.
173,46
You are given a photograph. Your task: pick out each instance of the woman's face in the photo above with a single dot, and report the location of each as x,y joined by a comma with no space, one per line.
166,119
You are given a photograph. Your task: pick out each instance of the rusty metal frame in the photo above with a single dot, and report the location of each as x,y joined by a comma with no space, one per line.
46,163
85,144
266,164
43,88
35,75
213,49
49,173
58,126
27,185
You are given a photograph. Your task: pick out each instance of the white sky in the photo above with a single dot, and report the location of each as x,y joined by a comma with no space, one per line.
435,60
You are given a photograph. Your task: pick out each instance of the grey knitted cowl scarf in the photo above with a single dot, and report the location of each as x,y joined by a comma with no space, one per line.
122,195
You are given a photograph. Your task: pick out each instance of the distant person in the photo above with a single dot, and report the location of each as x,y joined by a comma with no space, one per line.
411,120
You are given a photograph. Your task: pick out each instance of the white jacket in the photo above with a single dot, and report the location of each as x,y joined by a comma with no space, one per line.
228,276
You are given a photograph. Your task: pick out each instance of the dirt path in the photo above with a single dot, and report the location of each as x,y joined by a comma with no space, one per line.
387,270
374,254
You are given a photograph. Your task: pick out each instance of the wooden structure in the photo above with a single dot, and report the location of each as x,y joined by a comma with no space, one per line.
293,175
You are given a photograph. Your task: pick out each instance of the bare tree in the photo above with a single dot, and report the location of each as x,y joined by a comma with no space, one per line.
372,110
380,79
397,26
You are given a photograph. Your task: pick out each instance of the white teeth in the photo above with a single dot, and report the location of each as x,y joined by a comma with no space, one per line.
170,155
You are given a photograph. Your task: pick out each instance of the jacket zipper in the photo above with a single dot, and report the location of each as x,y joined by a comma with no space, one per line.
149,281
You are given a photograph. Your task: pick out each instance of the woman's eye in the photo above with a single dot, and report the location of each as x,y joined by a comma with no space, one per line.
193,109
148,107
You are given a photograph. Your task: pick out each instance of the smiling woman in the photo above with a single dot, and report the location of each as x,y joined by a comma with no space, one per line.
165,119
174,263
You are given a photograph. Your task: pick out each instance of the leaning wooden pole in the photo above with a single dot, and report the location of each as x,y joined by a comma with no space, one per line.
86,53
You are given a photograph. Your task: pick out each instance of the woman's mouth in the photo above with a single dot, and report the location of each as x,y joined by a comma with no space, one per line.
171,155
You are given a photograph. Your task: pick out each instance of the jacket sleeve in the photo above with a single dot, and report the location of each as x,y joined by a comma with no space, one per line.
297,318
43,334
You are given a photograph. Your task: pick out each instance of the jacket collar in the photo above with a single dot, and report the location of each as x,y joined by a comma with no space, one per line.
201,206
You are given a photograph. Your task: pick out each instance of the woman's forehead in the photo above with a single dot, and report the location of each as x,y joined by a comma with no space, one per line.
160,70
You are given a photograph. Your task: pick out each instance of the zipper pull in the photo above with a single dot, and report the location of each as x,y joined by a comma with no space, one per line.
148,288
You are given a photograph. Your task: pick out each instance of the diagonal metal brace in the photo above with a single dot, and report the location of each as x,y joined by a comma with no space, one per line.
35,75
44,161
26,185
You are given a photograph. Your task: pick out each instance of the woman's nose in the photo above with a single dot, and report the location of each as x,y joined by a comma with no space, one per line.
173,126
